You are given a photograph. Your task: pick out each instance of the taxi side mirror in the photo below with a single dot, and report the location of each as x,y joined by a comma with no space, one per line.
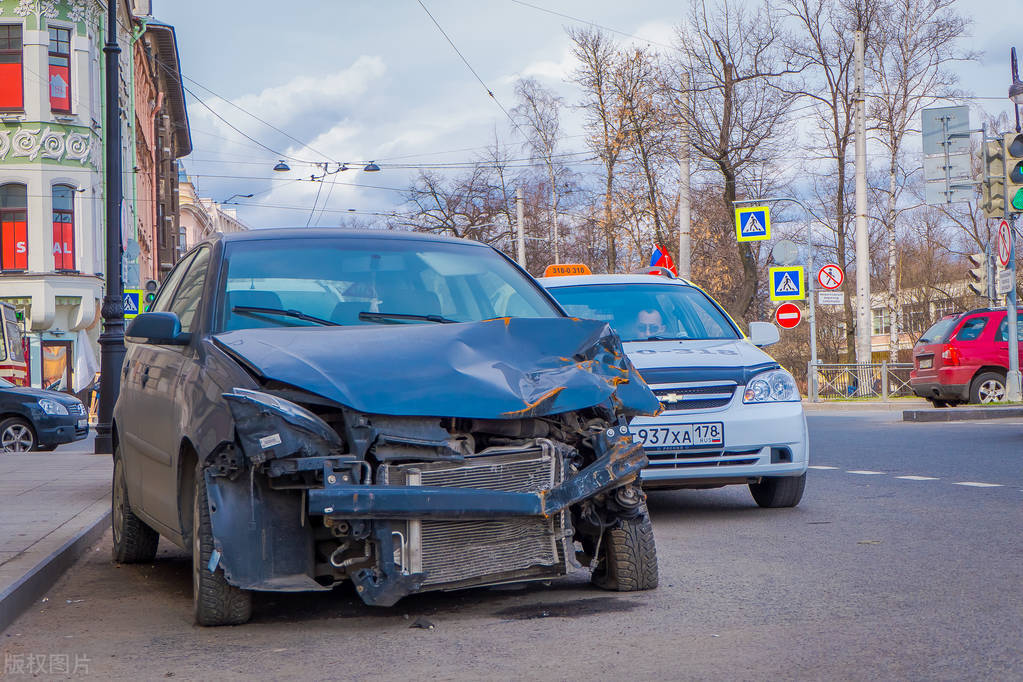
763,334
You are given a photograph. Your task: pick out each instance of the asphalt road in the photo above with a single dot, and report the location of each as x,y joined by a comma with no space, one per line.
873,576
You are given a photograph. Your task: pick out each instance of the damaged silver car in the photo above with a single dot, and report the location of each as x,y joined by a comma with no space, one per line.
406,412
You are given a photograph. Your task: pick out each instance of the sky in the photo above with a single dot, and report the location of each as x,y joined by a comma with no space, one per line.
360,80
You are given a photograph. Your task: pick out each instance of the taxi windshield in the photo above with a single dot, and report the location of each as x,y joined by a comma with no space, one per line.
643,312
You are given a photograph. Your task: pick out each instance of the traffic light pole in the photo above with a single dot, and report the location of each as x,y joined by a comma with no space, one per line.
1013,390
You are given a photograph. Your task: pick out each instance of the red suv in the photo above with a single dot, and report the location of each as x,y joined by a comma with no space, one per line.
964,358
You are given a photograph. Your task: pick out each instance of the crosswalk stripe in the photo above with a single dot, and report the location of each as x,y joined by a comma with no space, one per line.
866,472
976,484
821,466
918,478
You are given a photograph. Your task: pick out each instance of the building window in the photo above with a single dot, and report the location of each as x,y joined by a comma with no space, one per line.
63,227
11,94
879,321
60,69
13,227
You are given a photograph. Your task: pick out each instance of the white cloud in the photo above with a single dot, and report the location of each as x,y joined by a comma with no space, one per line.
281,104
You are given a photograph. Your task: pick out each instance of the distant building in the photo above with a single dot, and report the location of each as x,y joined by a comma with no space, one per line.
202,217
52,182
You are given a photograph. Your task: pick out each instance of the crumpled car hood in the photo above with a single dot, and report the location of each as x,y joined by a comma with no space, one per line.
506,368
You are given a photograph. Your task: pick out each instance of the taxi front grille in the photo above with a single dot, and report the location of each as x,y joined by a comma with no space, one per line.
695,397
690,459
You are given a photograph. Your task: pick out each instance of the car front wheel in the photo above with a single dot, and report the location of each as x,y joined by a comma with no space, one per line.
988,387
16,435
777,491
216,602
628,558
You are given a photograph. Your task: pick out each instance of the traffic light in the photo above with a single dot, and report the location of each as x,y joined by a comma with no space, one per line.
993,187
150,297
979,274
1014,158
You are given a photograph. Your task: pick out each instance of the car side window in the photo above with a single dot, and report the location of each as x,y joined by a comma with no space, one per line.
189,293
162,302
972,329
1003,330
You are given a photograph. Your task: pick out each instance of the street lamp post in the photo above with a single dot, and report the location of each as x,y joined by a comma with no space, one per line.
111,341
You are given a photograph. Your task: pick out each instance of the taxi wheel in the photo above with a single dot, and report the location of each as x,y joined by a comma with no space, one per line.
778,491
134,541
215,601
628,559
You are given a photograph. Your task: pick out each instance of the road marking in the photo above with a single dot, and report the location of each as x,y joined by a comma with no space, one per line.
975,484
918,478
821,466
865,472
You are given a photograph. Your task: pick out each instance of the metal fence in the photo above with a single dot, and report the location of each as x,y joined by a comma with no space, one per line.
882,380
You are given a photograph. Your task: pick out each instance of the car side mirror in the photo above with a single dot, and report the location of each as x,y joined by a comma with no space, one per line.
763,334
161,329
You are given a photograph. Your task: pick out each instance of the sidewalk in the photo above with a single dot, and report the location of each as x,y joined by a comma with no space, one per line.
867,405
53,506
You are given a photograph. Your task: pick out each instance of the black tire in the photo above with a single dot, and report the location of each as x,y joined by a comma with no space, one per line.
628,556
16,435
988,387
937,403
214,600
134,541
778,491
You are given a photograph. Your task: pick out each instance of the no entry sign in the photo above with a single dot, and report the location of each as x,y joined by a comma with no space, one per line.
788,315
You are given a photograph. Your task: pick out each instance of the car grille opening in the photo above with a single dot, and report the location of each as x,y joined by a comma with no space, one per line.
463,553
76,408
699,397
702,458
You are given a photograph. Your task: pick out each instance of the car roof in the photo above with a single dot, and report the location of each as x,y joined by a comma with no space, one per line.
576,280
336,233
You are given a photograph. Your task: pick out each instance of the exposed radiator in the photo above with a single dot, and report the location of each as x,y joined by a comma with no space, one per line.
463,553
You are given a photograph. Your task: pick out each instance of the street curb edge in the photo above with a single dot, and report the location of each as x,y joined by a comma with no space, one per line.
17,598
961,414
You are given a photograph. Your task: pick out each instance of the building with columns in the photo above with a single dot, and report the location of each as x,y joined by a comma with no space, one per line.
52,182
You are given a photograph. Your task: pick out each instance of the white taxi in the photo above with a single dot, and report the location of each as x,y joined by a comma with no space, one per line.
731,414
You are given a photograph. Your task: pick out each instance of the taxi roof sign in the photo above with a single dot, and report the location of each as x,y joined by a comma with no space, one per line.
563,269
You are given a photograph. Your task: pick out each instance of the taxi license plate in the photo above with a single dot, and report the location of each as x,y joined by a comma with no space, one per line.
82,423
926,363
678,436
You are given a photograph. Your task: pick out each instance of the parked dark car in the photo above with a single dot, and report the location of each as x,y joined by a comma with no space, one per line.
37,419
964,358
405,411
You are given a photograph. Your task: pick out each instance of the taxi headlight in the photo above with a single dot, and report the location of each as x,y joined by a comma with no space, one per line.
775,385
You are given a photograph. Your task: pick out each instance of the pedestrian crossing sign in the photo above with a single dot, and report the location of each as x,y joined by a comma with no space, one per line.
132,303
788,283
753,223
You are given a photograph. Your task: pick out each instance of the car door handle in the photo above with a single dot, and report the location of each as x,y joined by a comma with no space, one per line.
145,376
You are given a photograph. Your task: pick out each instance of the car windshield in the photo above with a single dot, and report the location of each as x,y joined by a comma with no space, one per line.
363,281
939,331
639,312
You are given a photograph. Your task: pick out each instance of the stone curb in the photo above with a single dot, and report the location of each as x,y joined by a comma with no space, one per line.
961,414
28,589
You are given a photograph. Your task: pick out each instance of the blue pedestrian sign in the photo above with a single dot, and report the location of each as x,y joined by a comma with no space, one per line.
753,223
132,303
788,283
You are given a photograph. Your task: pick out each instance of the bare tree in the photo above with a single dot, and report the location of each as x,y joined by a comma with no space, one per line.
824,42
914,43
538,115
605,117
736,111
